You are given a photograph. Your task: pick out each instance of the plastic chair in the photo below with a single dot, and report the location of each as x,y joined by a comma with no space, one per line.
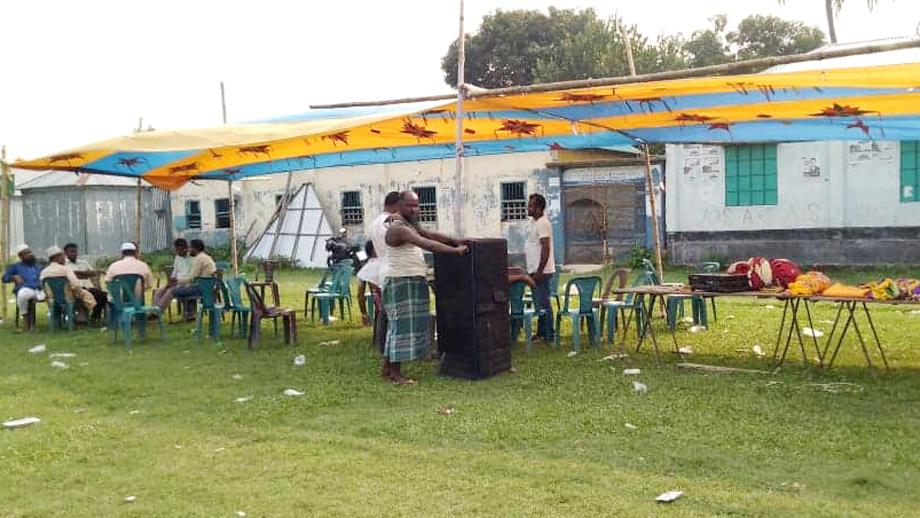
608,307
675,303
339,291
586,287
128,306
371,309
521,316
209,307
321,287
60,304
260,311
553,289
233,301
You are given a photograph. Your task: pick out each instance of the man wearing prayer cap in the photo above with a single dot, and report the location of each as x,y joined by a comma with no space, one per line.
27,286
129,264
57,267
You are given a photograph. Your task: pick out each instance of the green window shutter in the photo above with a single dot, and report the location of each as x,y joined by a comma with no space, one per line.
910,171
750,175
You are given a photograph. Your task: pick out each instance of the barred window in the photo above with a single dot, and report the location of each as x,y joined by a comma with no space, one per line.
352,210
514,201
427,204
221,213
192,214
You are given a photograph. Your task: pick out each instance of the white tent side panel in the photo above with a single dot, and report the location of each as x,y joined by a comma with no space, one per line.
304,231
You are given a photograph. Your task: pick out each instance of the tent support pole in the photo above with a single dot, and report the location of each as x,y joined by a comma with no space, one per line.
285,200
458,187
234,260
653,205
5,227
137,215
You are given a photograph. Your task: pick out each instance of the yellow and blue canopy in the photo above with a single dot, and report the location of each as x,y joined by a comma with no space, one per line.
871,103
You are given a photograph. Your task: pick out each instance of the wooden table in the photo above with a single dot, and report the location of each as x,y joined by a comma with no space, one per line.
789,323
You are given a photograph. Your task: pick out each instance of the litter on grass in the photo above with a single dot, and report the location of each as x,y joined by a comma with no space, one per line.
687,320
615,356
242,399
630,426
129,499
237,376
292,393
241,514
134,412
914,312
758,351
632,372
769,306
670,496
21,423
40,348
446,410
300,360
330,343
59,365
685,350
840,387
697,329
62,355
640,387
572,354
807,331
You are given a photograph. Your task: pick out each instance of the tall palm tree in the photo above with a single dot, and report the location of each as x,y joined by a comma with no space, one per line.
832,8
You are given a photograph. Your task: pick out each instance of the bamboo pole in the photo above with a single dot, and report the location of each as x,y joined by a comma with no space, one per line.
458,159
137,215
281,217
234,253
656,231
724,69
629,54
4,227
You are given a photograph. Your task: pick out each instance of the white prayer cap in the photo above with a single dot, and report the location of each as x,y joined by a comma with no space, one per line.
53,251
128,247
22,248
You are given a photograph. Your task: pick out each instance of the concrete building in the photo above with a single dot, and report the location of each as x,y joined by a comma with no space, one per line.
837,202
580,187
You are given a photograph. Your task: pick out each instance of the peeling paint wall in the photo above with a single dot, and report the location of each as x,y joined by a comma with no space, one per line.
482,178
822,187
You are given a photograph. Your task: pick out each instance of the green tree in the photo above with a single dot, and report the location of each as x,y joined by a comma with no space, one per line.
764,36
709,47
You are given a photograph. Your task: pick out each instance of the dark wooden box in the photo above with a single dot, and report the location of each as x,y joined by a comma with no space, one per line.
719,282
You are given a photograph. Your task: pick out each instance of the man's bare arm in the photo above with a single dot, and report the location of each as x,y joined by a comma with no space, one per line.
400,235
435,236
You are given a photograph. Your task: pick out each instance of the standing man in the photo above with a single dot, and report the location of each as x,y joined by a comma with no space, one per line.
27,285
57,267
88,277
378,233
405,292
129,264
540,263
182,267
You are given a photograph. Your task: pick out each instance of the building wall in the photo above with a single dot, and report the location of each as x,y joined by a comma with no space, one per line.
482,180
848,213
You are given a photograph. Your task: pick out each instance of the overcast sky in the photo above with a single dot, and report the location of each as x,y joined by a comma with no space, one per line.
80,71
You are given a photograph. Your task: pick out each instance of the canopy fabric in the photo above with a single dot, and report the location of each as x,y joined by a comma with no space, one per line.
878,103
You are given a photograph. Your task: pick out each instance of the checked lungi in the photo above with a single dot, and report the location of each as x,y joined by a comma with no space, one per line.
408,313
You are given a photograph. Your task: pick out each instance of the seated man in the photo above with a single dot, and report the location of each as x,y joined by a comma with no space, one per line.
182,267
27,286
129,264
57,268
88,277
202,266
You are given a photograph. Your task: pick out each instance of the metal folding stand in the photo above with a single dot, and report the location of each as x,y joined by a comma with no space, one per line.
791,307
645,324
851,307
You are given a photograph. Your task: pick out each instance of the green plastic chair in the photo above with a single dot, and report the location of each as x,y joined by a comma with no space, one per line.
586,288
521,316
697,302
232,290
127,307
553,289
61,311
339,291
208,308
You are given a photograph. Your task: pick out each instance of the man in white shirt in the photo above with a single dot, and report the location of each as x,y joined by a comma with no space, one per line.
378,233
88,276
540,263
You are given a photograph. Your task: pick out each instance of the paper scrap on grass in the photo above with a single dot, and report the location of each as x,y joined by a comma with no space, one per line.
685,350
572,354
292,393
237,376
62,355
807,331
59,365
669,497
300,360
20,423
632,372
330,343
615,356
130,498
758,351
631,426
242,399
640,387
40,348
697,329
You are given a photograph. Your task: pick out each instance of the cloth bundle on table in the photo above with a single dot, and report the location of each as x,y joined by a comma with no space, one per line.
843,291
808,284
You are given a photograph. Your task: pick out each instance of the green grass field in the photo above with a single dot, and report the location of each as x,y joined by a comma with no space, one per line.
159,422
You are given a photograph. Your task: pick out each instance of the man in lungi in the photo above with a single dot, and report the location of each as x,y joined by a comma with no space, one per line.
405,291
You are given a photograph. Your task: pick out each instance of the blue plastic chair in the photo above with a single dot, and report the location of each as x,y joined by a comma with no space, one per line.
553,289
697,303
521,316
339,291
232,290
586,288
208,307
61,305
128,306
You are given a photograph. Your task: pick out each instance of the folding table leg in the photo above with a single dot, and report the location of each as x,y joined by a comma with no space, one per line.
878,343
782,326
830,337
813,337
843,334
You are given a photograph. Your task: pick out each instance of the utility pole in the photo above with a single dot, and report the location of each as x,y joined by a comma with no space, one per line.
234,260
458,177
140,193
5,230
